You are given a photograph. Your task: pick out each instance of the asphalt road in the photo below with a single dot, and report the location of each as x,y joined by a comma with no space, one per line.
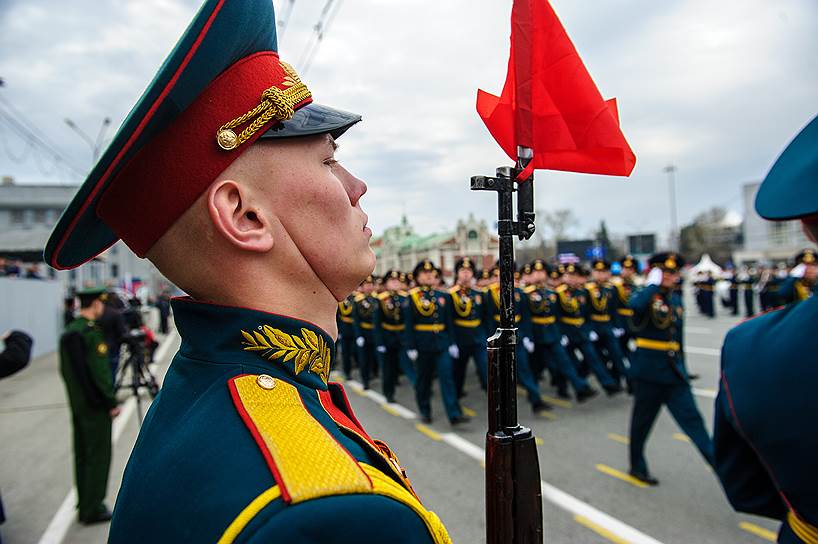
582,450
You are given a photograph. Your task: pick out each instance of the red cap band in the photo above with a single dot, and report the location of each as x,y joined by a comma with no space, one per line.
166,176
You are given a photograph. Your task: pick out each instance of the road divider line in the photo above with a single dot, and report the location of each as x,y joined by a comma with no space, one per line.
601,531
610,471
556,496
394,407
707,393
681,437
760,532
562,403
538,441
703,351
545,414
434,435
469,412
58,526
619,438
390,410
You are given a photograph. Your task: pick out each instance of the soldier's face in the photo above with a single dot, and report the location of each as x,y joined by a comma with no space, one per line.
601,275
811,272
393,284
464,276
317,202
427,278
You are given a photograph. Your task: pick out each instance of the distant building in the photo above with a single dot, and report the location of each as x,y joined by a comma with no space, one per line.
401,248
770,241
28,213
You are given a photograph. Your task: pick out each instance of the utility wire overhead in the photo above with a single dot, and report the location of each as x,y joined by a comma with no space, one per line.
285,19
320,29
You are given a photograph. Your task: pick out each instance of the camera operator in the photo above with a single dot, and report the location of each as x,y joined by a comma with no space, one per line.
84,366
114,330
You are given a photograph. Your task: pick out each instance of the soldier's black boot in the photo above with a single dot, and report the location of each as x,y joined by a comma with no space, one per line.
644,477
586,394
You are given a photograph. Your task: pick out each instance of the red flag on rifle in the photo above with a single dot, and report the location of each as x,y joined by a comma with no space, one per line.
550,104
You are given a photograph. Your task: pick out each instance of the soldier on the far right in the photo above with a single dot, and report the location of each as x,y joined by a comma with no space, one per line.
765,432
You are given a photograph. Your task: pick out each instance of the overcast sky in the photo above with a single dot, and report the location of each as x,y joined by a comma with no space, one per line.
715,88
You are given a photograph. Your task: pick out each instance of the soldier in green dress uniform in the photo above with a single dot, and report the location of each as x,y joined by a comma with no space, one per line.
87,376
430,343
469,330
388,334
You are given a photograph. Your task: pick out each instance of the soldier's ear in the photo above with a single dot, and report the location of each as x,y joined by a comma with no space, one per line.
237,219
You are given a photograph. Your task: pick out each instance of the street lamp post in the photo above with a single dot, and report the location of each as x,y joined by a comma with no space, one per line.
670,170
95,145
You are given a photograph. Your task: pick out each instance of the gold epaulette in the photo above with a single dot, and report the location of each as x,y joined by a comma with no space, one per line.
529,289
306,461
385,295
359,297
414,290
590,285
454,289
561,288
403,293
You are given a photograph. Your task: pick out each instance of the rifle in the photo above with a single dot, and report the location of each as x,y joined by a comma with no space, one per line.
513,493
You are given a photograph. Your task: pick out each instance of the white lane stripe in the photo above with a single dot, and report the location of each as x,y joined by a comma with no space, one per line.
697,330
558,497
401,410
703,351
707,393
561,498
65,515
577,507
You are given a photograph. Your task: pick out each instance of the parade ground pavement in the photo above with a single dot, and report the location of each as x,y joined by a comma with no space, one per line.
587,495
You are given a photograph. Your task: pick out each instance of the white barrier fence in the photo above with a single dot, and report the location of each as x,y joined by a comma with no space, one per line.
34,307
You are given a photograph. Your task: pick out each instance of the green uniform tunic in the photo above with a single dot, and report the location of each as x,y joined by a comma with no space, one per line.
87,375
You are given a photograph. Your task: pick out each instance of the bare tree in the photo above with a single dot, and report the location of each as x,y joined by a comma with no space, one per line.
559,222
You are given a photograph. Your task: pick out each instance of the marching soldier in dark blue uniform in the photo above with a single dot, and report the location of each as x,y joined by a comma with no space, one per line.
658,370
747,280
548,346
429,342
346,334
469,331
732,300
765,439
525,343
624,284
800,284
248,441
602,308
389,332
364,321
573,309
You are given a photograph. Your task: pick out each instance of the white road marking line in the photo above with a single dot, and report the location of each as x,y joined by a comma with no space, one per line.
707,393
401,410
697,330
66,513
703,351
560,498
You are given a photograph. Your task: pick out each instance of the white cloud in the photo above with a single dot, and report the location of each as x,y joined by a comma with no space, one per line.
716,88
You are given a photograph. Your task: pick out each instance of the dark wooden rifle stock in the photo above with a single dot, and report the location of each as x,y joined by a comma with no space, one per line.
513,492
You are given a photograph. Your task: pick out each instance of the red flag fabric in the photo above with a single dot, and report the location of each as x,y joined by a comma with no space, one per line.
550,103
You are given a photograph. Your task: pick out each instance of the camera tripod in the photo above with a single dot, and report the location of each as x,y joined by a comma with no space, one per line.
140,374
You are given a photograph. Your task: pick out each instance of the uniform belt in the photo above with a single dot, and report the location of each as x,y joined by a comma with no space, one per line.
393,328
347,319
516,318
367,326
706,288
658,345
600,318
467,323
625,311
802,529
544,320
575,321
437,327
